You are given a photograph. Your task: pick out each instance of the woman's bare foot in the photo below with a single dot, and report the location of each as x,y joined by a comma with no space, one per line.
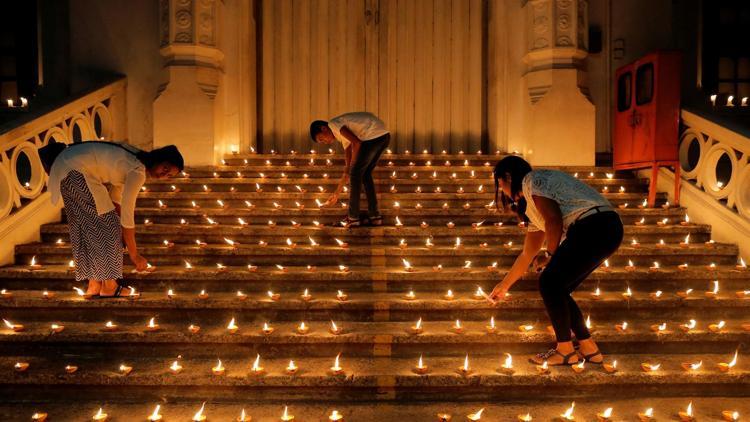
109,288
563,354
589,348
94,288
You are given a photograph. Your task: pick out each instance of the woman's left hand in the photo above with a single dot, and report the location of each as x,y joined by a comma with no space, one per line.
498,293
540,262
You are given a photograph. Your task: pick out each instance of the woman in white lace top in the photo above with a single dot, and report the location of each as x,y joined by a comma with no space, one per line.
580,228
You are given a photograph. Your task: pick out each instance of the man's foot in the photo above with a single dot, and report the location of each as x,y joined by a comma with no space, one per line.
555,358
111,288
94,288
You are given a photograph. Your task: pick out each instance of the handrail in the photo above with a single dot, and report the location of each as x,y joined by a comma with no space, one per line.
97,114
715,142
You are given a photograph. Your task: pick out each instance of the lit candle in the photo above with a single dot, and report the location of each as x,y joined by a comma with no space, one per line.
417,328
5,294
742,266
654,268
659,328
713,294
525,328
232,327
457,328
424,225
610,368
568,415
630,267
256,368
273,296
203,295
410,295
605,415
421,368
335,416
199,416
343,269
110,326
267,329
334,329
688,326
713,99
525,418
175,367
219,368
100,416
656,295
597,294
476,415
687,415
306,296
647,415
302,328
34,265
336,369
449,295
730,100
450,225
152,325
291,368
725,367
465,369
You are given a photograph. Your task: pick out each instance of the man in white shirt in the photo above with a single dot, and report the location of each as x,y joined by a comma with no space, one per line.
364,138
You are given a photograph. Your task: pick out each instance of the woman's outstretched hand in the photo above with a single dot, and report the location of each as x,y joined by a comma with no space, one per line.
141,264
498,294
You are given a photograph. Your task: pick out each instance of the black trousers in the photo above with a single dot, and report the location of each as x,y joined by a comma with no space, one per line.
588,243
361,174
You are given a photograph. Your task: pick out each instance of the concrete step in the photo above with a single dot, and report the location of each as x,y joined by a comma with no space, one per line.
222,409
363,379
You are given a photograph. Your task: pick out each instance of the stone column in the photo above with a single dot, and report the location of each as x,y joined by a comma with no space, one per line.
561,116
184,108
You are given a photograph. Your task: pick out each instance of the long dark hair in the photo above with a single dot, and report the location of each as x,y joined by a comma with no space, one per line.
517,168
168,154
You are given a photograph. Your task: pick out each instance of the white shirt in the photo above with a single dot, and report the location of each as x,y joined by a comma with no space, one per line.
573,196
365,126
111,173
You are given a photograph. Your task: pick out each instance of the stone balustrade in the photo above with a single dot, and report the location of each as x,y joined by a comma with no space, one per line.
98,114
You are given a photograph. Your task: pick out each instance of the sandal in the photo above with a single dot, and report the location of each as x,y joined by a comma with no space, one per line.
118,291
544,357
349,222
375,221
588,357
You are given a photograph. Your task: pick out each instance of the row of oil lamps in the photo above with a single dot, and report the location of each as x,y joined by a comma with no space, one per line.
457,327
688,415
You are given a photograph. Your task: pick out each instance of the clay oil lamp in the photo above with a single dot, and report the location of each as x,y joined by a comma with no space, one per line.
730,415
276,206
742,266
110,326
661,244
252,268
476,415
647,415
605,415
402,244
445,206
654,268
687,415
183,222
466,206
424,225
281,268
249,205
659,328
568,415
410,295
341,296
56,328
663,222
606,268
688,326
605,189
623,206
232,327
222,204
597,294
714,293
610,368
199,416
46,294
155,415
457,328
507,366
524,418
203,295
343,269
219,369
220,267
692,366
437,268
303,328
711,266
684,294
125,369
450,224
683,267
162,205
396,205
21,366
479,294
188,266
232,244
342,245
211,222
256,369
194,329
742,294
467,266
508,245
579,367
621,328
726,366
258,188
241,296
650,367
449,295
656,295
267,329
526,328
666,205
492,268
484,245
686,242
335,416
444,417
641,222
100,416
417,328
273,296
717,327
421,368
175,367
34,265
336,369
306,296
398,222
627,294
291,368
710,244
5,294
334,329
152,326
465,369
39,417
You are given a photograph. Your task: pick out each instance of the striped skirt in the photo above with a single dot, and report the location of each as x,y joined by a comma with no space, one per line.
96,239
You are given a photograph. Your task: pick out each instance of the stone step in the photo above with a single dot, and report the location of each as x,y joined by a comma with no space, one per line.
378,279
705,407
415,236
363,379
277,252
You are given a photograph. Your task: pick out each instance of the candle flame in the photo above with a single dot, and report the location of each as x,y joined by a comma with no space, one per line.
733,362
476,416
199,414
649,412
569,412
336,366
607,412
407,264
100,414
466,363
232,325
689,410
256,364
419,323
508,364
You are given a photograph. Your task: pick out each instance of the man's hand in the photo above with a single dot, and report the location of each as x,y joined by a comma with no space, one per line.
141,264
540,262
332,200
498,294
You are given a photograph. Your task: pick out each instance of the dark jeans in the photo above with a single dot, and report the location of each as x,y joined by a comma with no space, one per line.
588,243
361,174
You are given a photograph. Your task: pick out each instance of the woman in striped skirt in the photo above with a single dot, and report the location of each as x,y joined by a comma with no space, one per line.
99,183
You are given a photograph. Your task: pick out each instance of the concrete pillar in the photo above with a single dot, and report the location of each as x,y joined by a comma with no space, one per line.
184,110
561,117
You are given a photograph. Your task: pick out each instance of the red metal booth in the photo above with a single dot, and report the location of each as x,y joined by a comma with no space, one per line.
647,113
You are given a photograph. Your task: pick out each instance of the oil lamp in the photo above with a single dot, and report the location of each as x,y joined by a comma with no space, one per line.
437,268
424,225
466,206
273,296
710,244
692,366
249,205
341,296
232,327
203,295
336,369
713,294
303,328
220,267
218,369
306,296
476,415
730,416
291,369
742,294
428,243
507,366
290,244
233,244
647,415
276,206
256,368
525,418
634,243
578,367
110,326
21,366
341,244
449,295
450,225
687,415
417,328
656,295
162,205
46,294
100,416
597,294
410,295
262,243
421,368
241,296
623,206
605,415
568,415
5,294
610,368
152,325
188,267
334,329
465,369
641,222
39,417
393,189
742,266
343,269
444,417
199,416
650,367
125,369
175,367
457,328
194,328
480,294
659,328
56,328
267,329
688,326
221,204
34,265
717,327
525,328
445,206
402,244
725,367
622,327
493,267
491,327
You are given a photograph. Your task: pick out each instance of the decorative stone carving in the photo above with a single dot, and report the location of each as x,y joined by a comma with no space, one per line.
164,22
206,22
183,19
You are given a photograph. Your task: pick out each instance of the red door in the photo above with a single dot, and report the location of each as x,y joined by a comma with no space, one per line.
644,111
623,125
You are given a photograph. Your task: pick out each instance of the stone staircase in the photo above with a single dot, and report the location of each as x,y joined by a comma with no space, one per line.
285,244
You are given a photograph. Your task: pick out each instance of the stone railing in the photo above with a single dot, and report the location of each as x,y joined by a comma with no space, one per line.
98,114
716,160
